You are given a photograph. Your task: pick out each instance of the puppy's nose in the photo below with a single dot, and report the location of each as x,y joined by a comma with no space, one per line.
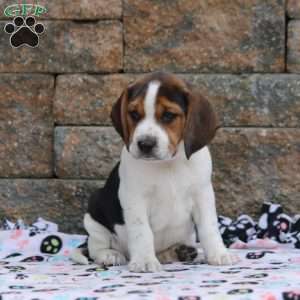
147,144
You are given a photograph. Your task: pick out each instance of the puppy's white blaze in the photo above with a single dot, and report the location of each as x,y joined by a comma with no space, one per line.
149,126
150,99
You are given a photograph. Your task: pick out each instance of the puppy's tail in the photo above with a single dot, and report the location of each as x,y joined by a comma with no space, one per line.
80,256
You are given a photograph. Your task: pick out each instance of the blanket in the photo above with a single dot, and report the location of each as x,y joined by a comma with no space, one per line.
35,264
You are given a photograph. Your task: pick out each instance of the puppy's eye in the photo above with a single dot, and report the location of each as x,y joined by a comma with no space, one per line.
168,117
134,115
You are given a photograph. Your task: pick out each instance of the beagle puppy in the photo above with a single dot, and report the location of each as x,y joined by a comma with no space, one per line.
160,194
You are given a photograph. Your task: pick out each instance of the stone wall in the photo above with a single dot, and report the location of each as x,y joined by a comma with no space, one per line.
56,140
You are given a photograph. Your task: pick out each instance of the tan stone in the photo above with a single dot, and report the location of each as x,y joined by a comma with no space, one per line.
67,47
82,9
86,99
205,36
256,165
293,47
293,9
26,125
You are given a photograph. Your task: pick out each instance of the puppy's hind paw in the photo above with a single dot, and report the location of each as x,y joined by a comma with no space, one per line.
177,252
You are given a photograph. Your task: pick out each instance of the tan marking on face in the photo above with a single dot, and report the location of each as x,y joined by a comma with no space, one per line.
135,106
174,128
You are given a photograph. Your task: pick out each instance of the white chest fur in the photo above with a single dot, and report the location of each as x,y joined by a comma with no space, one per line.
164,191
170,208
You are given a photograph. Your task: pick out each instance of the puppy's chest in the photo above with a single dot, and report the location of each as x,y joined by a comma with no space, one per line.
170,204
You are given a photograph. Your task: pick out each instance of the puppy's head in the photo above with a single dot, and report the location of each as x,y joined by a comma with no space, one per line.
154,114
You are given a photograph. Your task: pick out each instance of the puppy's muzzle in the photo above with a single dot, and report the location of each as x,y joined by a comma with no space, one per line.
146,145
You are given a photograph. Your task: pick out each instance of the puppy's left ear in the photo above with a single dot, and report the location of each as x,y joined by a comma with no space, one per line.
201,124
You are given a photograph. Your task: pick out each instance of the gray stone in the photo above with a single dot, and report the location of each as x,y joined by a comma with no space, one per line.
86,152
87,99
293,47
256,165
26,125
255,100
61,201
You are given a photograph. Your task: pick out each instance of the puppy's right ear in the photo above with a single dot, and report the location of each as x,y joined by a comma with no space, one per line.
118,116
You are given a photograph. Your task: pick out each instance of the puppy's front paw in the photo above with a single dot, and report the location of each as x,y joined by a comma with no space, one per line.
221,258
109,257
145,265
